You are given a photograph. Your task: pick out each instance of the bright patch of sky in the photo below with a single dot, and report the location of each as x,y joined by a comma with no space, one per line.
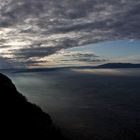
124,51
113,49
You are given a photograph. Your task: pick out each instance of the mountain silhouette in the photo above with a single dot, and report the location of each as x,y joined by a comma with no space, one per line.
118,65
20,119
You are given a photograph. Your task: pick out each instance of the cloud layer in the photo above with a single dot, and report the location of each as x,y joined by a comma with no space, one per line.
32,29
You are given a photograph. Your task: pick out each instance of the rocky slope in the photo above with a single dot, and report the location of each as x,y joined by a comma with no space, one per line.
20,119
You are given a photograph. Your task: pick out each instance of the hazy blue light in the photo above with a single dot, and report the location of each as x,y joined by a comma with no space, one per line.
113,49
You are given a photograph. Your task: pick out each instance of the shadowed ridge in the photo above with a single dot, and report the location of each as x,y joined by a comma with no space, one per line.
118,65
21,119
6,83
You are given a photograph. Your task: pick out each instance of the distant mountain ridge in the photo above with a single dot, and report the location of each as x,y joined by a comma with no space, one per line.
119,65
50,69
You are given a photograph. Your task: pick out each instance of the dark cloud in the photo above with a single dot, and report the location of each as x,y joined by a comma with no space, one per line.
60,24
5,63
34,52
82,57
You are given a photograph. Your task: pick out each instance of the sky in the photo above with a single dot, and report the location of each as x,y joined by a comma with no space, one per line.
124,51
44,33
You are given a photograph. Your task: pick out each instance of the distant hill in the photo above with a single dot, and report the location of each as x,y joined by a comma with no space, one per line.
107,65
20,119
119,65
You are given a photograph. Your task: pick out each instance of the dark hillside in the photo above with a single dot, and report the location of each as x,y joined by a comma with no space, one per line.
20,119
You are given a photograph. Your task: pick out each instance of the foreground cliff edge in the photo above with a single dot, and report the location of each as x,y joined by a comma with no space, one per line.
20,119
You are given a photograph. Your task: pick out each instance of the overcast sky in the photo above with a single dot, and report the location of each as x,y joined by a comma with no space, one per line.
32,30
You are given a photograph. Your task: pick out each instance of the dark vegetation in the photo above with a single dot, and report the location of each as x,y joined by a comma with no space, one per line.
20,119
